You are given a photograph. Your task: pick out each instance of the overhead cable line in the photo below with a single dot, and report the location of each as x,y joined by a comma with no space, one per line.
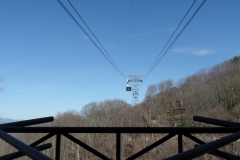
95,36
134,39
111,61
177,37
151,68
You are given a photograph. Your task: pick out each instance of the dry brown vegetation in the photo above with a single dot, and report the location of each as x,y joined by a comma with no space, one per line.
212,92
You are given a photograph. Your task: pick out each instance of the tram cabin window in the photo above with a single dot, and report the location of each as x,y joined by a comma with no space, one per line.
128,88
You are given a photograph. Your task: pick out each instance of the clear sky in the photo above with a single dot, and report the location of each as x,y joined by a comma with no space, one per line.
49,65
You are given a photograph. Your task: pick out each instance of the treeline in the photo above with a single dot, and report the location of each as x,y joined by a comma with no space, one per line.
212,92
109,113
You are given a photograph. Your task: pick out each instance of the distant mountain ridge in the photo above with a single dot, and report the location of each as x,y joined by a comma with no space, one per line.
7,120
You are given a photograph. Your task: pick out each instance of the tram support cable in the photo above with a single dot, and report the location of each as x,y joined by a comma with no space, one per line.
94,43
157,61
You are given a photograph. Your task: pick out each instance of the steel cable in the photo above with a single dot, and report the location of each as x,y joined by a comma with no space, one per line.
177,37
95,37
111,62
154,63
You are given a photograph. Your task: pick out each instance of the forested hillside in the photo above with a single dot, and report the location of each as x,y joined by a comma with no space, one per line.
212,92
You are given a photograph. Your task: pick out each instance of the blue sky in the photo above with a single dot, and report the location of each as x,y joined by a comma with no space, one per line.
49,65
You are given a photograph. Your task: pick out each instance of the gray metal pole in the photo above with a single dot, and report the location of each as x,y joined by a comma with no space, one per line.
29,151
203,149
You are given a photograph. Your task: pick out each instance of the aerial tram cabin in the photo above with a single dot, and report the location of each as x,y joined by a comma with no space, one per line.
128,88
